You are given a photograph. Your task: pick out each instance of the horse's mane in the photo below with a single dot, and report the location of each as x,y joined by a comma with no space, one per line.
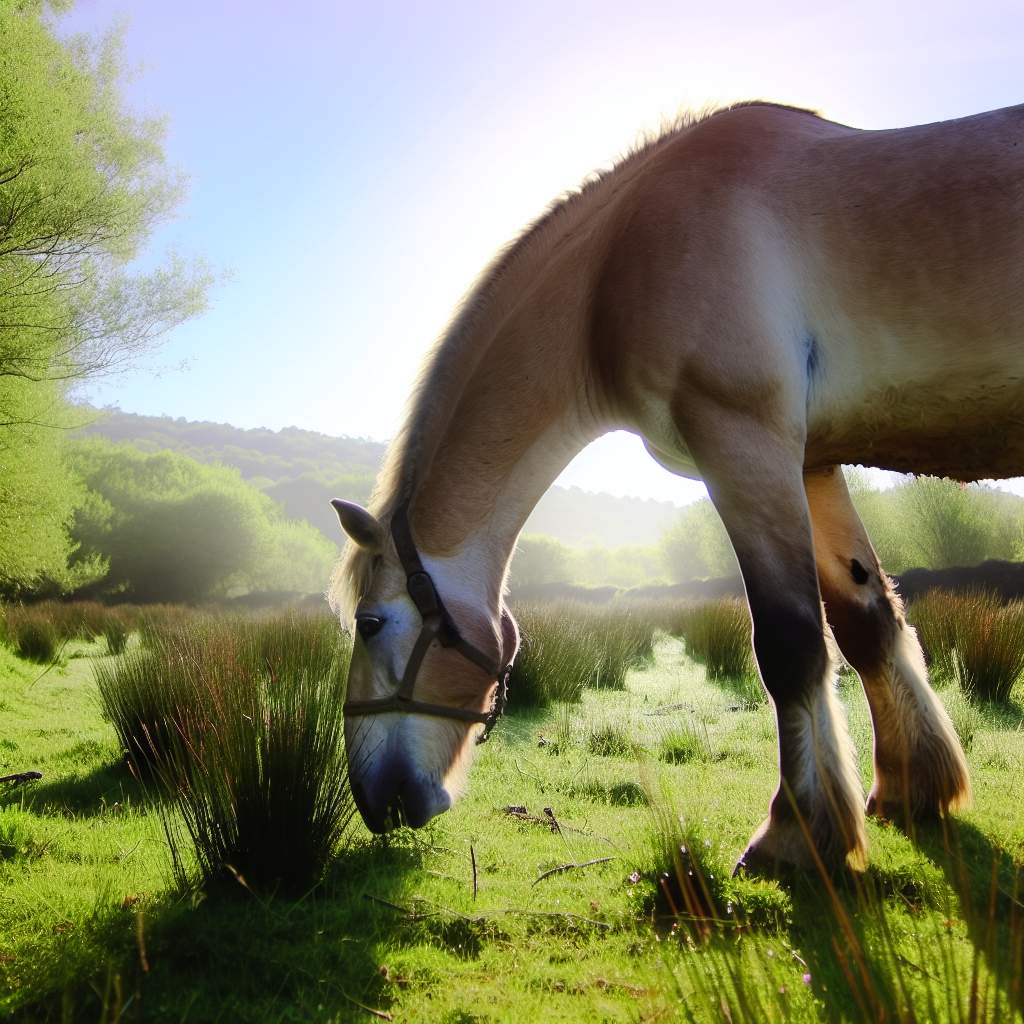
452,359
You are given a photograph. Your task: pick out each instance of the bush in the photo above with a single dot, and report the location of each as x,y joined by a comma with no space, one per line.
568,646
718,634
973,640
238,723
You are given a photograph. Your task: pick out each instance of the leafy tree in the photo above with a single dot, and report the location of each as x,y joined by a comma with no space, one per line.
173,529
539,559
82,184
933,523
697,546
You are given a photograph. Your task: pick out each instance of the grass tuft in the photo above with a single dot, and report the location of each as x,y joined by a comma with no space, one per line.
569,646
718,634
973,640
239,724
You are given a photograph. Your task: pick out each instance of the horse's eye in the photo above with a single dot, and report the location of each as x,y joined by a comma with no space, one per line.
369,625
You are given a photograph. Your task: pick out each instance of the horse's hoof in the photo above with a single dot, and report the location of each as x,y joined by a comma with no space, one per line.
775,850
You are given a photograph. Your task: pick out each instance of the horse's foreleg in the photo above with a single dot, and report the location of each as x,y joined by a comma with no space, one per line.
756,483
919,764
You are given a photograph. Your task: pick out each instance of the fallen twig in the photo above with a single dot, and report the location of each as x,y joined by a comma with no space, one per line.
570,867
21,777
472,860
379,1014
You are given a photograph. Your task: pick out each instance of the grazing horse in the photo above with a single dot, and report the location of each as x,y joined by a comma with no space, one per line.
761,295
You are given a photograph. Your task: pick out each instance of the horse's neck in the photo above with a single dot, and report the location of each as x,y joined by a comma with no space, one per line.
515,424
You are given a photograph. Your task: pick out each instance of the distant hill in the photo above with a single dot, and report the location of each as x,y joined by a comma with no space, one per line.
303,470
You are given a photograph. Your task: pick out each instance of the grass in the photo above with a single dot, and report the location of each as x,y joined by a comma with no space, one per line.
973,640
238,724
569,646
718,635
456,923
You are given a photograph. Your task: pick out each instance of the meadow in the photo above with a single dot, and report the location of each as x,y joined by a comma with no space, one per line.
189,853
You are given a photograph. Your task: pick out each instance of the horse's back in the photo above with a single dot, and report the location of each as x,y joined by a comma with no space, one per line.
893,260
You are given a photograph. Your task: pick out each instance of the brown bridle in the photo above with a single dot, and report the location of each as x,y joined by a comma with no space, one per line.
437,625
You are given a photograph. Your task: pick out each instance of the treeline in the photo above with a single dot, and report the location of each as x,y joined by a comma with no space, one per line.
301,470
83,183
922,522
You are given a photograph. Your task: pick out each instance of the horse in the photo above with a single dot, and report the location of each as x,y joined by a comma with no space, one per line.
762,295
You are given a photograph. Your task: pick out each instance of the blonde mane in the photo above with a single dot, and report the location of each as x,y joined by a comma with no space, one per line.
453,357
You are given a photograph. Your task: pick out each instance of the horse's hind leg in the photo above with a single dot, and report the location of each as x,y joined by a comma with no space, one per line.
756,483
919,764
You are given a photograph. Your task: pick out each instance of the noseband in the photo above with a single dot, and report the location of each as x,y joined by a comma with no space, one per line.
437,625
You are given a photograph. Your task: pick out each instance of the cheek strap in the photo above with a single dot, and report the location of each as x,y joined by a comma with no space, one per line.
437,626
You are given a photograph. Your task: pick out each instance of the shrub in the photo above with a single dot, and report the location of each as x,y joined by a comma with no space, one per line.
238,723
974,640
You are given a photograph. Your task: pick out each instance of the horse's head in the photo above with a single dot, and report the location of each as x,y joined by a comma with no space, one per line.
426,662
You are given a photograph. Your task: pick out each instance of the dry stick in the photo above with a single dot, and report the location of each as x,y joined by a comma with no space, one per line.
569,867
379,1014
472,860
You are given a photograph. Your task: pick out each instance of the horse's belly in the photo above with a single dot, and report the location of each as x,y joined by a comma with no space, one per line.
960,432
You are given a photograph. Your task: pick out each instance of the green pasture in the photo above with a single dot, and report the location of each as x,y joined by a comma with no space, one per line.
539,897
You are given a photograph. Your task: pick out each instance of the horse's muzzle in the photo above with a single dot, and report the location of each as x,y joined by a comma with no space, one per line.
395,793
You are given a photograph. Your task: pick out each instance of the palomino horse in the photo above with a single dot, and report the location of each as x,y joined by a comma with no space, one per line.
761,295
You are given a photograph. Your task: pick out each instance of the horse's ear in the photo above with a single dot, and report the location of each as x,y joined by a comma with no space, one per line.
362,526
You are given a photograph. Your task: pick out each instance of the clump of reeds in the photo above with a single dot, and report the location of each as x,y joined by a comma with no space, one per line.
973,640
718,634
41,631
238,723
35,639
568,646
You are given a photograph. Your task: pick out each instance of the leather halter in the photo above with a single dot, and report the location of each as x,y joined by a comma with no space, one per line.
437,625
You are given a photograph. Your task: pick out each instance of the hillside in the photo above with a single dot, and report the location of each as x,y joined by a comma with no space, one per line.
303,470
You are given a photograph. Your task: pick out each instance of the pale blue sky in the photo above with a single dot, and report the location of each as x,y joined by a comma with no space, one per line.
355,166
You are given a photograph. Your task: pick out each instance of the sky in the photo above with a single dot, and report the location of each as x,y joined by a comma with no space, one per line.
353,167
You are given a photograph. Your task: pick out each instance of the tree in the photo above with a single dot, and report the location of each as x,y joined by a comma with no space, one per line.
697,546
173,529
539,559
82,184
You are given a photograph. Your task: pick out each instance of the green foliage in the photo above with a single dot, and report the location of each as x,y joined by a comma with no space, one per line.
540,560
972,639
684,742
697,546
172,529
568,646
611,739
82,184
929,523
239,721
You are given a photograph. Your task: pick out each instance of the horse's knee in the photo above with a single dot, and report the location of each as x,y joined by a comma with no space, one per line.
866,620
